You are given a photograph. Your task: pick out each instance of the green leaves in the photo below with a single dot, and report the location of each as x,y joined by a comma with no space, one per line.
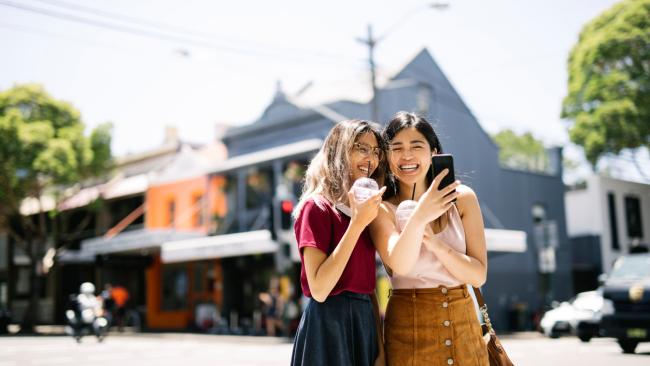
522,152
43,145
100,145
609,81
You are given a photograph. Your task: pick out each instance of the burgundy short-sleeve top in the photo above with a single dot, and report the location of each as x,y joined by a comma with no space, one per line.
322,228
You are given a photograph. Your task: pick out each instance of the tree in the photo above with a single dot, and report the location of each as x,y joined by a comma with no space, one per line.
43,149
521,151
609,82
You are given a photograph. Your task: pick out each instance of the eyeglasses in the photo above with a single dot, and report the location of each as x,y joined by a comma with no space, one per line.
366,150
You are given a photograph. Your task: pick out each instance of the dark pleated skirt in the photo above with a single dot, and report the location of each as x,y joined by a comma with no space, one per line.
339,331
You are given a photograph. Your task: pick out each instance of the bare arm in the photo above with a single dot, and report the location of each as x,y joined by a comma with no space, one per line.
400,251
323,271
470,267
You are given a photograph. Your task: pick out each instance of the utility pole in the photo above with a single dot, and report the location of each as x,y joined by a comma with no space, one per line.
371,42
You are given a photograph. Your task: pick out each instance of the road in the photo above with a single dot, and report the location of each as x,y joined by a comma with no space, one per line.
193,349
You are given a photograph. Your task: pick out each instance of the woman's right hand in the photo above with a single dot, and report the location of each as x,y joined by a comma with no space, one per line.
433,203
364,212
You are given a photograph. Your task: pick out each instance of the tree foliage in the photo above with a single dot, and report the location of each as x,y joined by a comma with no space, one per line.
522,152
43,150
42,143
609,82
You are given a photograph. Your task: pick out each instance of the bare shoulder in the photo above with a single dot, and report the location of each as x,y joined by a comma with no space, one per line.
467,199
386,212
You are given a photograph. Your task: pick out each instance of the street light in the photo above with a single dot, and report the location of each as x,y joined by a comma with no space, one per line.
372,42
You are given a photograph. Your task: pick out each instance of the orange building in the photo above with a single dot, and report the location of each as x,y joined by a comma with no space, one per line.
174,290
212,240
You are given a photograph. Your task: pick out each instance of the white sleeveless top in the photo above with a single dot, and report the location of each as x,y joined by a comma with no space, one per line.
428,271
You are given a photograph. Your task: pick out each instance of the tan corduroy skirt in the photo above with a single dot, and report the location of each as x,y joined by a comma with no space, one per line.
433,326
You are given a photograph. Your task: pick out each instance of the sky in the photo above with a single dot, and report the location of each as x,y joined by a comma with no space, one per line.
147,64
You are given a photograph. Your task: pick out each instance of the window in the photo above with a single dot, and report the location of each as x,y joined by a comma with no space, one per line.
204,277
423,98
174,288
197,207
633,217
258,188
171,212
226,221
613,225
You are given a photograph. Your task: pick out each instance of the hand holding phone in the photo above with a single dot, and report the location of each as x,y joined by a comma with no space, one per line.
441,162
441,194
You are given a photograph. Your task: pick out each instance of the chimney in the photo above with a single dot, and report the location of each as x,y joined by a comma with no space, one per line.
171,135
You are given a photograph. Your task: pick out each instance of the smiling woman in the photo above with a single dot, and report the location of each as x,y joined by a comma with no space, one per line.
430,317
339,325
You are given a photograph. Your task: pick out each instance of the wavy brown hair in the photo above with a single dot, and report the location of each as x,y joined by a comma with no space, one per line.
328,174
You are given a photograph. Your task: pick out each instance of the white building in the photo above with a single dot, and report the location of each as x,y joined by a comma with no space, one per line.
606,219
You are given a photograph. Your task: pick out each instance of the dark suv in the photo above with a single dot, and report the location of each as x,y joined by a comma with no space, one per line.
628,287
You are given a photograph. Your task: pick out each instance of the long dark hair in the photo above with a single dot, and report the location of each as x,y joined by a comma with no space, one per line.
400,121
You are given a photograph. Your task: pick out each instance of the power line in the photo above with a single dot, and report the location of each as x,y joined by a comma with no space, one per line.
141,32
42,33
116,27
211,63
169,27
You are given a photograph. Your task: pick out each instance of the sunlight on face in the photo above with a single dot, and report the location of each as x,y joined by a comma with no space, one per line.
365,151
409,156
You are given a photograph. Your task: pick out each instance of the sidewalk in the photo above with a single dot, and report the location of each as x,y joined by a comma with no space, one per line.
520,335
59,330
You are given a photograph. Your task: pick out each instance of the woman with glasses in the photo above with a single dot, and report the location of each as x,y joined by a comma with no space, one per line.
338,257
430,317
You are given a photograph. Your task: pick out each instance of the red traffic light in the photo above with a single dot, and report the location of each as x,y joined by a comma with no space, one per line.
287,206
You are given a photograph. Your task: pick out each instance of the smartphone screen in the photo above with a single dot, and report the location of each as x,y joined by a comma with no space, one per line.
441,162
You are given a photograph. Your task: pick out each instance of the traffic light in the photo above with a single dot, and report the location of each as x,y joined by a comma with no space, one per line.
286,208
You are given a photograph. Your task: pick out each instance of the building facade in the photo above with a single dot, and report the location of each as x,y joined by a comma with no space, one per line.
213,234
606,218
524,213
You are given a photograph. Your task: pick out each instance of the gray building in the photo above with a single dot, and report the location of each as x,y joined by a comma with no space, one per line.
529,254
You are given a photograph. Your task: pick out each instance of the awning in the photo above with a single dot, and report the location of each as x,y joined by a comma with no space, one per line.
218,246
136,184
135,240
67,256
116,188
499,240
259,157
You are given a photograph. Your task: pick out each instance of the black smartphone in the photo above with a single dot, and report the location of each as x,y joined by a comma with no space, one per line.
441,162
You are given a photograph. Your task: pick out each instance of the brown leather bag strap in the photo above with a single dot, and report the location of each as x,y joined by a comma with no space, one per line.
482,307
479,297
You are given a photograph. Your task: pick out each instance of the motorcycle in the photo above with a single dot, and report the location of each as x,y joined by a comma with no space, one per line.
85,316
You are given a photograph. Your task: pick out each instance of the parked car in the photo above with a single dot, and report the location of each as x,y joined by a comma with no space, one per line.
580,316
590,307
628,287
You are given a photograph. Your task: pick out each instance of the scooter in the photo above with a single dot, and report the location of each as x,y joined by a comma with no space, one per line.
86,321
